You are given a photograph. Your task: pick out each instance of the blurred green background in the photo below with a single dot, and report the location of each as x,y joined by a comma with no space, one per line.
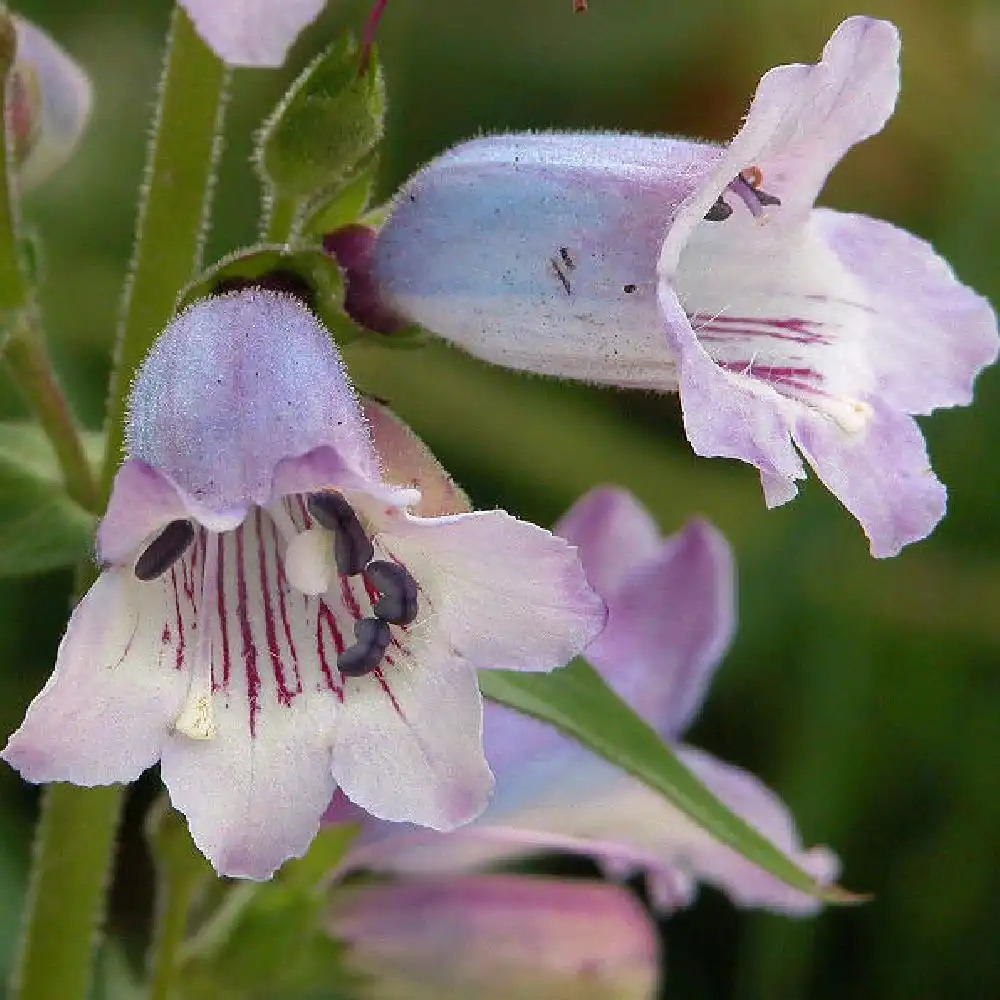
867,693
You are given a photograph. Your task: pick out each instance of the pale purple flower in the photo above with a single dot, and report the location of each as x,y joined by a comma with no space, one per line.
252,33
49,103
670,619
496,938
657,263
259,33
272,621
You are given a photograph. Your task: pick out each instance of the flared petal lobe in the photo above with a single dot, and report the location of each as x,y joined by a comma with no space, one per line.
142,502
251,33
931,335
613,534
490,575
119,684
802,121
498,937
671,606
410,747
236,385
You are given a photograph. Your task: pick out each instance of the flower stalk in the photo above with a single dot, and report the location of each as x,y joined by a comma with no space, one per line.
69,881
281,214
171,223
71,871
25,354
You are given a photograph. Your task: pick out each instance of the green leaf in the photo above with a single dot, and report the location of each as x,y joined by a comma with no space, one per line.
577,700
313,869
41,528
327,123
270,940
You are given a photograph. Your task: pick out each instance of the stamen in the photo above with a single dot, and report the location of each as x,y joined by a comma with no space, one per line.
746,185
398,603
353,549
719,212
168,546
373,636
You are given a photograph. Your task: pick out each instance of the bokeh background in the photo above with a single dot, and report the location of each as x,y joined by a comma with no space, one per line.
867,692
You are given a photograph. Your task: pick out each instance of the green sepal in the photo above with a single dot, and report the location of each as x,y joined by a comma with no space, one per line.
578,701
328,122
275,942
309,274
341,202
41,528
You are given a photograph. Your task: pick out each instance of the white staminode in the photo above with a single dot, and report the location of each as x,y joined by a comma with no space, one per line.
309,564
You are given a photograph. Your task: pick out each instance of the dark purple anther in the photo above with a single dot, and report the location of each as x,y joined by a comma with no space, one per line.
398,603
352,247
747,186
366,654
719,212
168,546
352,549
751,195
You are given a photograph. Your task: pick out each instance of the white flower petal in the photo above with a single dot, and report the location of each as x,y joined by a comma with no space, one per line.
254,33
506,593
120,680
408,744
249,764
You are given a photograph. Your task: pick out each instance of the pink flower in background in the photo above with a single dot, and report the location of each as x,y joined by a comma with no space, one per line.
497,938
49,104
272,621
670,619
259,33
790,332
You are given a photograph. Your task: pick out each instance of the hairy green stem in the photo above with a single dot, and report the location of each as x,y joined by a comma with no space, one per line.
280,218
28,361
69,880
15,293
75,843
179,177
26,355
174,899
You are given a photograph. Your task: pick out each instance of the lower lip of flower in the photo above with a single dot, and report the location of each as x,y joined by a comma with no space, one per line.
213,579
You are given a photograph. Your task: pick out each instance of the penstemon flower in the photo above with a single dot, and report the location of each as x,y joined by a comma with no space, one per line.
49,104
670,619
271,620
495,937
790,332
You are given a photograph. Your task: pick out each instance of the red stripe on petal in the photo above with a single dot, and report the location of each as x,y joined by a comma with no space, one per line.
325,617
220,604
283,588
179,652
384,684
285,695
350,601
246,631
